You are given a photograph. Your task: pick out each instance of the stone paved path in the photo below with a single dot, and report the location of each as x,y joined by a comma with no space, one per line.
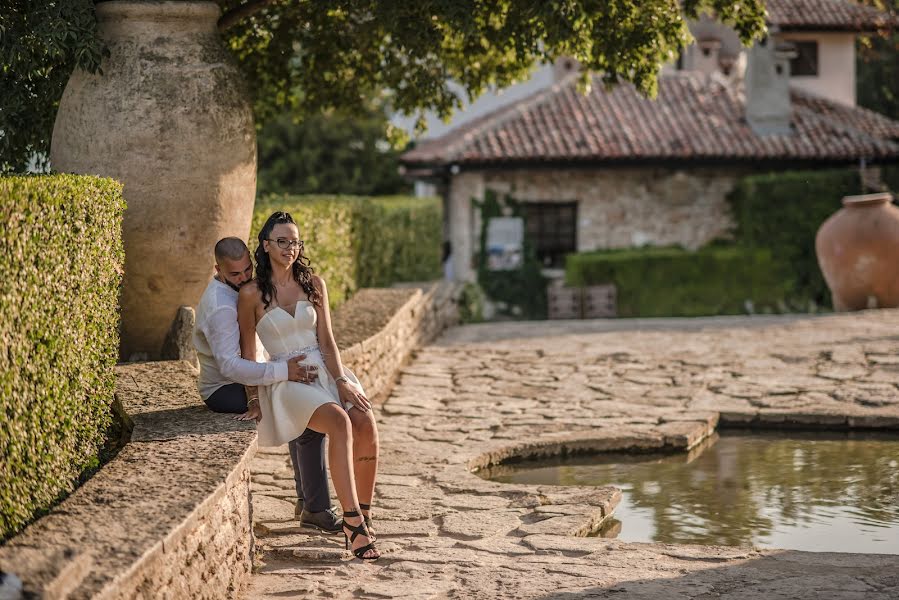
491,391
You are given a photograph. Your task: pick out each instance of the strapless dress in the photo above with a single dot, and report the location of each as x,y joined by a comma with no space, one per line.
287,406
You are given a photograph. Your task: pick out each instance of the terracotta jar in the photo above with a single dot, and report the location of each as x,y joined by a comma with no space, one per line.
858,252
169,117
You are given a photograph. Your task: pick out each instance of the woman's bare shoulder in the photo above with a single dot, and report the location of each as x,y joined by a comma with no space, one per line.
318,282
249,292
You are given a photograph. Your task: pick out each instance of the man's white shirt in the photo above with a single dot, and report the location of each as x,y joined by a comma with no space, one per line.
217,340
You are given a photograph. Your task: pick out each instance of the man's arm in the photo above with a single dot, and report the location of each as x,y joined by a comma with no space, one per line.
223,335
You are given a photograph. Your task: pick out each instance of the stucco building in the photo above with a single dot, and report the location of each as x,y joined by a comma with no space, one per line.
614,169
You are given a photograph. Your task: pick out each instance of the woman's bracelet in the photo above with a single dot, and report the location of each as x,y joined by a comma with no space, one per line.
341,378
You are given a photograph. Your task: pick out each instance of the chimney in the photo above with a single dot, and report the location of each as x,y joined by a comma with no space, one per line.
768,109
563,67
706,57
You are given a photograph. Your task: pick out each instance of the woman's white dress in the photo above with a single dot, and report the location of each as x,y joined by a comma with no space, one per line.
287,406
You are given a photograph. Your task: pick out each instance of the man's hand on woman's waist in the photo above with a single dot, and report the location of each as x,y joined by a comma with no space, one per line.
297,371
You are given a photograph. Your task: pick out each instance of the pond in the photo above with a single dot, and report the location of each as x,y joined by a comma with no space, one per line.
825,492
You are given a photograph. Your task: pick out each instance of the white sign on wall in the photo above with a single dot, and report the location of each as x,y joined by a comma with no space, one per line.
505,238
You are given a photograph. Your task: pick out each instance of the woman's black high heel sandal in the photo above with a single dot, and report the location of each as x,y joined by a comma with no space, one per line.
357,530
371,532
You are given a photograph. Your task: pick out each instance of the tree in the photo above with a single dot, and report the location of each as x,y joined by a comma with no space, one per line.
333,153
308,57
878,67
40,45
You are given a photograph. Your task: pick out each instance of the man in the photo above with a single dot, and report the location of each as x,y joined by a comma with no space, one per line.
224,373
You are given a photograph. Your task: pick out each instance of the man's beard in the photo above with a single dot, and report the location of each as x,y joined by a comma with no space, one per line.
236,288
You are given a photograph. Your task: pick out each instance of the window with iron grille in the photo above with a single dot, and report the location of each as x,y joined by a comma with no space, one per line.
552,228
806,61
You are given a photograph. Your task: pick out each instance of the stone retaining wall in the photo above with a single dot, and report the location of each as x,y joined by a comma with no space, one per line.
377,359
170,517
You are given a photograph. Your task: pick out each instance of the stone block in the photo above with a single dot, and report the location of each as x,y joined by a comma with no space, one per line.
178,344
479,523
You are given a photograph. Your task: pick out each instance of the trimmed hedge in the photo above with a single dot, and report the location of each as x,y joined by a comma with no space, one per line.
61,257
782,212
357,242
672,282
397,238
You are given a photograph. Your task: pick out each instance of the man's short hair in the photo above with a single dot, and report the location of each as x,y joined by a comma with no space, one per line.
231,248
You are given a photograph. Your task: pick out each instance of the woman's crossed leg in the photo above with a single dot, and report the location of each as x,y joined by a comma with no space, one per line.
333,421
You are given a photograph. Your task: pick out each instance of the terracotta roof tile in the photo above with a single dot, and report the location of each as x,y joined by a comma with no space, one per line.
841,15
693,118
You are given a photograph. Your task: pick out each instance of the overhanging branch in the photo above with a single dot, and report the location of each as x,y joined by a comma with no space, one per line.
235,15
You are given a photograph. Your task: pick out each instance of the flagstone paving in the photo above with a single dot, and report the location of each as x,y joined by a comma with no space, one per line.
487,392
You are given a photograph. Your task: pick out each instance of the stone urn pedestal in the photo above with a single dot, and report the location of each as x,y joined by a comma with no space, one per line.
858,252
169,118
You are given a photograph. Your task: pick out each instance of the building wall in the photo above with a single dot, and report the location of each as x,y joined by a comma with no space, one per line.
836,66
617,207
461,222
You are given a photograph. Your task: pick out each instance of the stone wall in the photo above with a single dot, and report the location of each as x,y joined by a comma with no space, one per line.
169,516
377,359
618,207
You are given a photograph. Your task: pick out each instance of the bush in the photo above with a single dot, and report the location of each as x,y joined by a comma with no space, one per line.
356,242
397,238
662,282
471,303
782,212
61,257
890,174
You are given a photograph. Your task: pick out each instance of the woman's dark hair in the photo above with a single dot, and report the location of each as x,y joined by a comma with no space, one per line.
302,272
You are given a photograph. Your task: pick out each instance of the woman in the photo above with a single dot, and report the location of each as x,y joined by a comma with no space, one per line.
287,305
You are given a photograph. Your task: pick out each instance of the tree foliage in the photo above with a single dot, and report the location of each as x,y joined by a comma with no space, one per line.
309,57
40,45
312,56
878,67
332,153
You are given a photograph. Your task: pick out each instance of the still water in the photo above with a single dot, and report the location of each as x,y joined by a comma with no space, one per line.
814,492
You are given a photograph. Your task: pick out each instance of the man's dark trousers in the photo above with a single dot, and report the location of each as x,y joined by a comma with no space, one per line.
307,452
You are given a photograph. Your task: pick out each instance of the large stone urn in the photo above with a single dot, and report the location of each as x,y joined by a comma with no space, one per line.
170,119
858,252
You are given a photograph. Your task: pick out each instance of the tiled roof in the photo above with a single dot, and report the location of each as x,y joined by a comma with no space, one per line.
693,118
840,15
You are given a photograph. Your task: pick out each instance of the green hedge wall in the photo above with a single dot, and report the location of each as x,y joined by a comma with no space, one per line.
61,257
782,212
671,282
397,238
356,242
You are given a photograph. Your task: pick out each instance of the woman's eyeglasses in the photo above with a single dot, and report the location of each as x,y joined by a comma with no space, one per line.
284,244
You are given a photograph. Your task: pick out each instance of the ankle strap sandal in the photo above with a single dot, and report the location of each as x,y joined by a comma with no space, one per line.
371,532
356,531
